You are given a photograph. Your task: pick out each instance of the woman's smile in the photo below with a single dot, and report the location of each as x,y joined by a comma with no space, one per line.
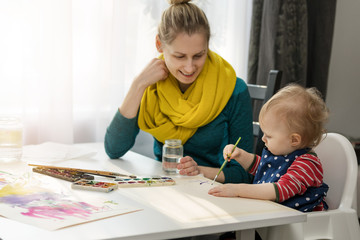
185,57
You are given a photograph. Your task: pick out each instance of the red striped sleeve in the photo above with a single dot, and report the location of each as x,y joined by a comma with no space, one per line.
254,166
306,171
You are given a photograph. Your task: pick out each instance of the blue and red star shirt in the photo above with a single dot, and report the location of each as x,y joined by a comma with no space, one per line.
297,178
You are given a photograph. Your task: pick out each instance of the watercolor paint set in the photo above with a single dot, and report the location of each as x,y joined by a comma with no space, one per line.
64,174
84,179
94,185
144,182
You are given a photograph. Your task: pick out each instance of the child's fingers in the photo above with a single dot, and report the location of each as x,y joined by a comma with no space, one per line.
213,190
227,156
227,151
216,191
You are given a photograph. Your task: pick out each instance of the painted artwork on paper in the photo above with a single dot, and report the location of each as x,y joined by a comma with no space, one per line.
23,200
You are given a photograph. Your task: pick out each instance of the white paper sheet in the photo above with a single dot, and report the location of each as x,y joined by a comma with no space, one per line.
46,203
50,152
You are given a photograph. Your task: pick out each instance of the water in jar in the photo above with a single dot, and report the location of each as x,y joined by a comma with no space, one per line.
172,153
11,139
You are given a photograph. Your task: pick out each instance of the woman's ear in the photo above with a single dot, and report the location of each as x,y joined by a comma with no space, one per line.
295,140
158,44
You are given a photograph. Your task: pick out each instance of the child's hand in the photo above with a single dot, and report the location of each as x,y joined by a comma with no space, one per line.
228,155
226,190
265,191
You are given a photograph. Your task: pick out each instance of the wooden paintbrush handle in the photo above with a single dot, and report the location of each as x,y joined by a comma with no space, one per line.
105,173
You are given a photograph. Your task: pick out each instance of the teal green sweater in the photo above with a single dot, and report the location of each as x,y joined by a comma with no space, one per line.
207,144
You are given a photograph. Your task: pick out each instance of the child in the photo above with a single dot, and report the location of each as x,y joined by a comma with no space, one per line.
288,172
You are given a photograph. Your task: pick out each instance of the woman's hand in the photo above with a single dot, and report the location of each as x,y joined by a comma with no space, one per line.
188,166
155,71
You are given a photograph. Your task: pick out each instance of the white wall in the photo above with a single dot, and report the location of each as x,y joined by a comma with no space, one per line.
343,94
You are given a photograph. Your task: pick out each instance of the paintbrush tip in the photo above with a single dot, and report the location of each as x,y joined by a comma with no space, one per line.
214,179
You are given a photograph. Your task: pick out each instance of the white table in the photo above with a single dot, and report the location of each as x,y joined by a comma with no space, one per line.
199,213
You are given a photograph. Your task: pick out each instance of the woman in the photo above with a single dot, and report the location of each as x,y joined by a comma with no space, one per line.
188,93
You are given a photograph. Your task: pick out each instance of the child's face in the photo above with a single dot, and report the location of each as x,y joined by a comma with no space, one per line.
277,137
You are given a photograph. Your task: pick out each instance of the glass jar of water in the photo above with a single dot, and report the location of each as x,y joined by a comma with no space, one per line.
11,139
172,153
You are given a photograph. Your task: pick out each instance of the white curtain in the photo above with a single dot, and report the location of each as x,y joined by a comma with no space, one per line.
66,65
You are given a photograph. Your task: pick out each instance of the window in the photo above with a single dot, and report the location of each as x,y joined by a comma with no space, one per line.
65,66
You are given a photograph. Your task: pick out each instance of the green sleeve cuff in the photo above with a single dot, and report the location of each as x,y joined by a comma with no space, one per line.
120,135
252,164
276,192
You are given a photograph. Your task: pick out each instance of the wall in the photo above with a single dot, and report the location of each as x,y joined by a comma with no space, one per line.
343,94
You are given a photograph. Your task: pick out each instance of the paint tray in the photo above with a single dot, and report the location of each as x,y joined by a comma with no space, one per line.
94,185
144,182
68,175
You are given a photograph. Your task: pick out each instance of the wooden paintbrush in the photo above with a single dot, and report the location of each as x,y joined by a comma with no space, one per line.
95,172
225,161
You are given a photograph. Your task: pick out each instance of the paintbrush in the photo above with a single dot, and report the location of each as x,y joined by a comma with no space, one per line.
225,161
95,172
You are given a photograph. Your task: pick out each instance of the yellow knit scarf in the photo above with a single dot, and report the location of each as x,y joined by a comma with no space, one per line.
167,113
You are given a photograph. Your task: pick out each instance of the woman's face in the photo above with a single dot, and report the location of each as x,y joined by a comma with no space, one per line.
185,57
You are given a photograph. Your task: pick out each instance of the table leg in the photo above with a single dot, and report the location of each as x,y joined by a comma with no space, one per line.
248,234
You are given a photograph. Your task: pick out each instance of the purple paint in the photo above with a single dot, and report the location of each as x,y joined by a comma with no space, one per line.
49,205
23,200
79,210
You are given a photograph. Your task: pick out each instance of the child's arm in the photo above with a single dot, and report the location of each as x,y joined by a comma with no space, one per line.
241,156
265,191
306,171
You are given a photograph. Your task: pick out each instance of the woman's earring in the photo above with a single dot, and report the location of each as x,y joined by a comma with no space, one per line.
158,46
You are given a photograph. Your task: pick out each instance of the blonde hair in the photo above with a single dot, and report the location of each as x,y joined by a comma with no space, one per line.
302,109
182,17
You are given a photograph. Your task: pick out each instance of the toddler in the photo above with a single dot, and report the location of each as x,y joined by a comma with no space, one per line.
289,171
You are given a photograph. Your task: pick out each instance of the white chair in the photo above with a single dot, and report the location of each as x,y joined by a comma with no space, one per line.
261,94
340,221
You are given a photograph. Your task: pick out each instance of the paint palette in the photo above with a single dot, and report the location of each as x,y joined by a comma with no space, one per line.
144,182
68,175
94,185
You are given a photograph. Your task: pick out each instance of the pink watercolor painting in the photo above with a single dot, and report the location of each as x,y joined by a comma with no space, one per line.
22,201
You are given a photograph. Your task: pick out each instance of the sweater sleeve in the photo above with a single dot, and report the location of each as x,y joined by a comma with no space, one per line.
120,135
306,171
239,111
240,117
235,173
254,165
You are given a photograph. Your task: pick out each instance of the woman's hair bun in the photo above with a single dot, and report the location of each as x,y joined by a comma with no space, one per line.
173,2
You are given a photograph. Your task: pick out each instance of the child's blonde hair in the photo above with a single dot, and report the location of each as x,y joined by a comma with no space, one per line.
182,17
302,109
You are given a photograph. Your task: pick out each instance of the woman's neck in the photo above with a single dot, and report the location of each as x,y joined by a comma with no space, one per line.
183,87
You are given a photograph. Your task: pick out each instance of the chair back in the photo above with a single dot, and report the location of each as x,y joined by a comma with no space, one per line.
262,93
339,162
